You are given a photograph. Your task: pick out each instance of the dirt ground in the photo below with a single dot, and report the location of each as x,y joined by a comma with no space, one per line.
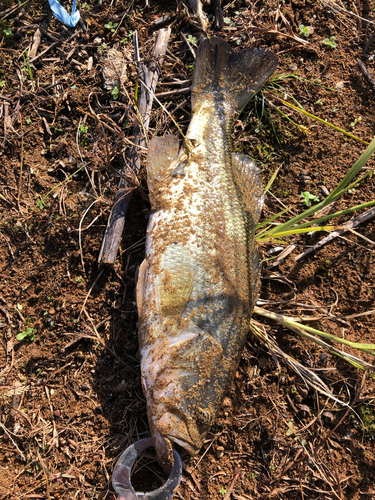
70,392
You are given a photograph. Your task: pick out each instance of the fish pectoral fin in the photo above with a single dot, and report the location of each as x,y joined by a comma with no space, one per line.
175,282
174,291
249,181
141,283
161,158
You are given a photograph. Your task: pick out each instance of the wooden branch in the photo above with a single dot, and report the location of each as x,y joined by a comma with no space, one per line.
345,227
116,221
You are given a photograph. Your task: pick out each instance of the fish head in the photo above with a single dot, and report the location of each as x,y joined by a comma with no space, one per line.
179,384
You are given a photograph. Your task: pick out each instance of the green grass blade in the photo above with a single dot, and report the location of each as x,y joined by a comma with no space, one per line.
271,219
271,181
359,164
347,211
289,232
310,115
291,323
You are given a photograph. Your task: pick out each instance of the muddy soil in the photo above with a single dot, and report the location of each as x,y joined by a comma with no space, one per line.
71,399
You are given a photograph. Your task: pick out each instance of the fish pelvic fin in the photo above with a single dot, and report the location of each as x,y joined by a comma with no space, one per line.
235,75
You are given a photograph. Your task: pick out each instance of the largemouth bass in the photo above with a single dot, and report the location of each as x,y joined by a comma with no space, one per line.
199,281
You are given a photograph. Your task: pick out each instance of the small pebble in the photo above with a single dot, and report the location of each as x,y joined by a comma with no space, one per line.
304,409
328,417
263,362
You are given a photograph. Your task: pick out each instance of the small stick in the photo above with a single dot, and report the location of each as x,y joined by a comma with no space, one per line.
170,93
115,225
346,227
189,45
21,169
368,44
367,75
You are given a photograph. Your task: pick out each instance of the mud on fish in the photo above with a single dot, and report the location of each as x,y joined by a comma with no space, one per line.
199,281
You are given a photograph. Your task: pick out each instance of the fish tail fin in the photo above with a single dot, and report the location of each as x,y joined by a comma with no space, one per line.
234,77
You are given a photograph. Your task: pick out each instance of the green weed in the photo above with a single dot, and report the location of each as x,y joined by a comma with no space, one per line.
308,198
8,32
191,39
125,40
305,31
29,333
111,27
115,93
330,42
356,120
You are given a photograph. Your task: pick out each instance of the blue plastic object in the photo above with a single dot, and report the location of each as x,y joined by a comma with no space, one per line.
121,475
62,15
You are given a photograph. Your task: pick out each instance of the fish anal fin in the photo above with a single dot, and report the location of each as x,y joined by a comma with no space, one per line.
162,153
249,181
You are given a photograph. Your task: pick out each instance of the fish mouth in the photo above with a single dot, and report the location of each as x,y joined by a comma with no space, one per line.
181,430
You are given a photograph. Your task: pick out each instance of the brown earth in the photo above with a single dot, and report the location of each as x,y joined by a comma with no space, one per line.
70,392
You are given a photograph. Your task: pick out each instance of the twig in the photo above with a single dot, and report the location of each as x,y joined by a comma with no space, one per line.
115,226
345,227
88,294
80,232
8,12
170,93
7,431
189,45
232,485
83,163
367,75
219,19
368,44
21,169
9,121
55,44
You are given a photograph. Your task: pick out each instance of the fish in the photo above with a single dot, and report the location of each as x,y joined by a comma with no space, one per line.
200,278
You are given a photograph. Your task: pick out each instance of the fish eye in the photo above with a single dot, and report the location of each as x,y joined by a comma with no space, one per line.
203,417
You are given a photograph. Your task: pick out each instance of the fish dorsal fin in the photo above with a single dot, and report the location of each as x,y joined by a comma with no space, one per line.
162,153
249,181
